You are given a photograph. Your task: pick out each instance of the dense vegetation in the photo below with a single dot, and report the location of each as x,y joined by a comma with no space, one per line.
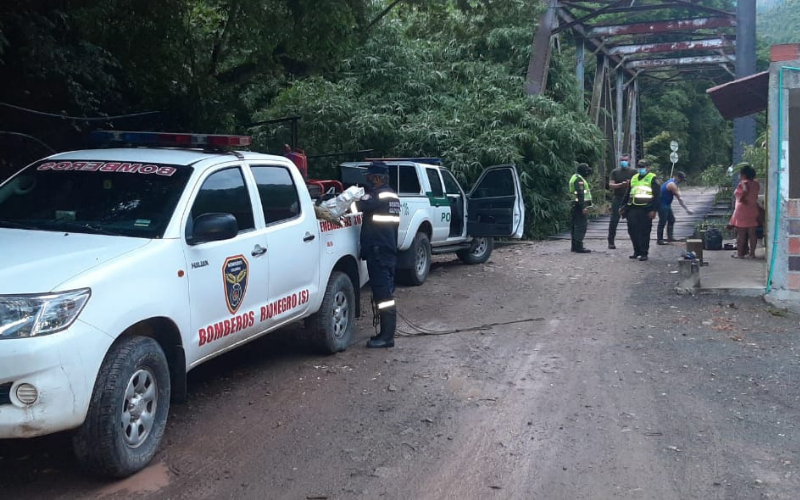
781,23
434,78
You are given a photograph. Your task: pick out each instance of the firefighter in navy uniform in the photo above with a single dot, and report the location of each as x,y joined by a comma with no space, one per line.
640,206
381,208
581,196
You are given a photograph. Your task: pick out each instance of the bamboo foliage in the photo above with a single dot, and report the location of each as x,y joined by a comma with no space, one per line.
456,93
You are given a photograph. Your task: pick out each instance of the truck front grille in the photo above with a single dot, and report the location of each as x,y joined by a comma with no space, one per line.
5,394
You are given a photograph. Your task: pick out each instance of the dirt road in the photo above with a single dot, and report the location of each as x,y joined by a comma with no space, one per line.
596,382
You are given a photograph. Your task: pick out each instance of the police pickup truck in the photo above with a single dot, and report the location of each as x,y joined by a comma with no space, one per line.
438,216
124,268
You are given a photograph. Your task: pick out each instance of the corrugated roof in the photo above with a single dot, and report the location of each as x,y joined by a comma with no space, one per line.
741,97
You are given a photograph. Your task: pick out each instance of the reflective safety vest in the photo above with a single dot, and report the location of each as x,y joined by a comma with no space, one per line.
641,190
587,191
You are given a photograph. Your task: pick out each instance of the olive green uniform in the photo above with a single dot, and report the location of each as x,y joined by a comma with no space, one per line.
581,196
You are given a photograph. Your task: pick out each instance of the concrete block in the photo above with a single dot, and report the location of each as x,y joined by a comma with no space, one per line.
695,246
794,245
689,274
793,281
793,209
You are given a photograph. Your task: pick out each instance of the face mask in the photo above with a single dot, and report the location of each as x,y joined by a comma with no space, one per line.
642,171
623,164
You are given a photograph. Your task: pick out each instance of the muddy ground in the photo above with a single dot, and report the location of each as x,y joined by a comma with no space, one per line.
596,381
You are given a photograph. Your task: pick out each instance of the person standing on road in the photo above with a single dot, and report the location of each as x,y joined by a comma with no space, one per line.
381,208
581,197
618,183
666,217
746,212
640,207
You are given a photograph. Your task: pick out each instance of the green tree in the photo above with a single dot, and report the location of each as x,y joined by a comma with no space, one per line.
781,24
456,92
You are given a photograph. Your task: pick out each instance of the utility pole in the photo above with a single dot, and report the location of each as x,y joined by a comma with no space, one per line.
744,129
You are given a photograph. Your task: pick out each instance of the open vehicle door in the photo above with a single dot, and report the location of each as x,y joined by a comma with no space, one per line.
496,208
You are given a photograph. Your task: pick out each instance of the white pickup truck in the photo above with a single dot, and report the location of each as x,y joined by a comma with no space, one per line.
122,269
438,216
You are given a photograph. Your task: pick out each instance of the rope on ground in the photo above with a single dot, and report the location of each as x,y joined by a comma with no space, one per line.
418,331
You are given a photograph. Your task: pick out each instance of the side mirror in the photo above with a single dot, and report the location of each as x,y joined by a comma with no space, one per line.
213,227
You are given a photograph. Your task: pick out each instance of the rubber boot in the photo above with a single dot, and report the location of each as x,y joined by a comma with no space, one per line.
670,234
388,327
375,320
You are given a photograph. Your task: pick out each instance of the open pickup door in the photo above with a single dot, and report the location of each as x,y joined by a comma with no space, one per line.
496,207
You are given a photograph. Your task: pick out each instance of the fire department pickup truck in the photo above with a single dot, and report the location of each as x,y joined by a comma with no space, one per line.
124,268
438,216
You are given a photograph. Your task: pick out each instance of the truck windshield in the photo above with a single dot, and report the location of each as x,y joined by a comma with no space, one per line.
94,197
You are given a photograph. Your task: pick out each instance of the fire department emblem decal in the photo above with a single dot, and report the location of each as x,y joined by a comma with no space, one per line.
234,272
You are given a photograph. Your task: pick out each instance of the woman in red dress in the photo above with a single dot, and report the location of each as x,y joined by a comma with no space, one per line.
745,214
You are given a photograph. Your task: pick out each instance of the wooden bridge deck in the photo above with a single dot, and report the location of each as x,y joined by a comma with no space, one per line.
699,200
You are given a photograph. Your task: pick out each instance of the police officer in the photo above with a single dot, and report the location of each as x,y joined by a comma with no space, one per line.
619,181
381,208
640,207
581,196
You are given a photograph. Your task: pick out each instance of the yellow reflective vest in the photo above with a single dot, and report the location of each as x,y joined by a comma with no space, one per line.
587,191
641,190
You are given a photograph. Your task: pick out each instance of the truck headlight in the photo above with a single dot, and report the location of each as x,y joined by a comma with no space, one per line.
23,316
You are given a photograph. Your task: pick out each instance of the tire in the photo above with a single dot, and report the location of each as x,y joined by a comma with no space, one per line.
108,443
421,251
479,251
333,325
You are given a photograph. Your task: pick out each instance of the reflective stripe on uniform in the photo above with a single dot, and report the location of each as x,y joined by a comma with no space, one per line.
641,189
386,218
587,190
386,194
386,304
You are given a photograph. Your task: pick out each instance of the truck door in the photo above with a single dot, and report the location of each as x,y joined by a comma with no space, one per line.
458,205
404,180
495,206
227,279
293,243
440,207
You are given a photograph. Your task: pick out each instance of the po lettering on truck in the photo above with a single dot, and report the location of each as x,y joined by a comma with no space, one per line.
346,220
248,319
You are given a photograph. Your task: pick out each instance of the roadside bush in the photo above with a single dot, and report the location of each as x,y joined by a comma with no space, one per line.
715,176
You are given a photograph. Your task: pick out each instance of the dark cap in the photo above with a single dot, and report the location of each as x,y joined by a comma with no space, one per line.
642,163
624,157
680,175
377,168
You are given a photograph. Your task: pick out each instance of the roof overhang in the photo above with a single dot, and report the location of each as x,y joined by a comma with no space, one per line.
741,97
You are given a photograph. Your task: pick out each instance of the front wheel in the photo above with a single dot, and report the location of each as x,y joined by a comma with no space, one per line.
421,253
332,326
128,410
479,251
